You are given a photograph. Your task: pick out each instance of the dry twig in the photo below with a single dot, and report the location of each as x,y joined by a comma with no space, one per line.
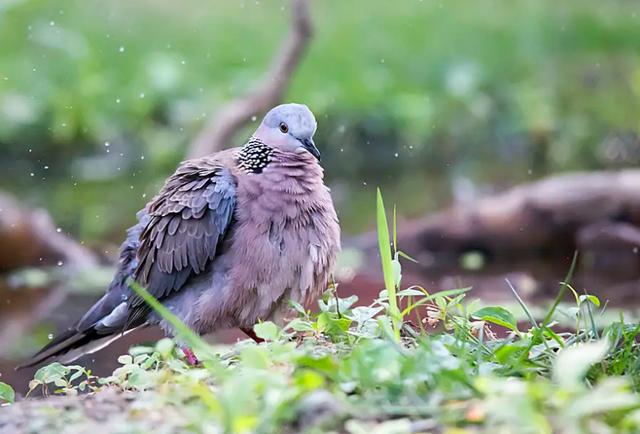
230,117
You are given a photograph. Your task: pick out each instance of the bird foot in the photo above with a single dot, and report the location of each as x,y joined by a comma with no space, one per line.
249,332
190,356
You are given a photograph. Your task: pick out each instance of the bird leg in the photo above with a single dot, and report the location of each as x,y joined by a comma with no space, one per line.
249,332
192,359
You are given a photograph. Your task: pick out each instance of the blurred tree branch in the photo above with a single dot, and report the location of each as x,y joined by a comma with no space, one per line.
233,115
555,215
29,237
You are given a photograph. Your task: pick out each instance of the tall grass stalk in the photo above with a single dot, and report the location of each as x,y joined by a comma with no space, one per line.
187,335
386,260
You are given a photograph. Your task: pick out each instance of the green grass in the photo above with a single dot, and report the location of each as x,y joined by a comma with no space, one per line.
340,369
356,369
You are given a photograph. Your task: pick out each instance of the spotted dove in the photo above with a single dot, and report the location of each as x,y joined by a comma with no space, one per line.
228,241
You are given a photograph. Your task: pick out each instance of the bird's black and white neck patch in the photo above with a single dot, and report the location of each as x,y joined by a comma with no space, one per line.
254,156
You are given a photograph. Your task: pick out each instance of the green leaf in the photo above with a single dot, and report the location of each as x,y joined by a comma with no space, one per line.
306,379
256,357
592,298
7,393
165,347
266,330
335,304
332,326
439,298
51,373
79,372
297,307
324,364
300,325
140,379
510,353
497,315
125,359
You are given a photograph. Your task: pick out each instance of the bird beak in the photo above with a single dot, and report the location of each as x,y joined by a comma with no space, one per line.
311,147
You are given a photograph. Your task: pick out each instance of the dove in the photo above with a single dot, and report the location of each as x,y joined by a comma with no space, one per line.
228,241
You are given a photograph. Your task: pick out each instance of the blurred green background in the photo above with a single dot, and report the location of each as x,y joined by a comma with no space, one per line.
435,101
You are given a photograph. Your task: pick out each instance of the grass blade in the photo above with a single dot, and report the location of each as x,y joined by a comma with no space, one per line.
183,331
563,289
386,261
522,304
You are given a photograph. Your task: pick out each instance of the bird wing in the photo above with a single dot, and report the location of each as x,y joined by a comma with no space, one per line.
177,235
187,221
118,291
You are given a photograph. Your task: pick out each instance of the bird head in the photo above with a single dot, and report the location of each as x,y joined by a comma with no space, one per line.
289,127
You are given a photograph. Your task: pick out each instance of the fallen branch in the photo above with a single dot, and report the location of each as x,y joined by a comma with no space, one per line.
230,117
551,217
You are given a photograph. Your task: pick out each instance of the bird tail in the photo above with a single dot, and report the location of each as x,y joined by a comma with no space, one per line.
105,322
62,344
72,345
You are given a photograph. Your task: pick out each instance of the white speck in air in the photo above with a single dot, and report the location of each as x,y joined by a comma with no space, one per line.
121,49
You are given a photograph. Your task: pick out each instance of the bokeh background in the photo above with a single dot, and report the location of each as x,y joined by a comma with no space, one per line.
438,103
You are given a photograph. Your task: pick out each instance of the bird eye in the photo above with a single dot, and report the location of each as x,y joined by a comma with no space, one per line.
284,128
